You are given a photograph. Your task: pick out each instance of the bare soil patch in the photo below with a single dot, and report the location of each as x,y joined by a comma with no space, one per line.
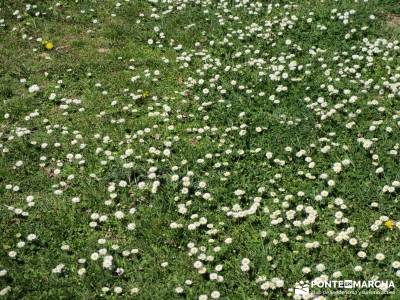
393,21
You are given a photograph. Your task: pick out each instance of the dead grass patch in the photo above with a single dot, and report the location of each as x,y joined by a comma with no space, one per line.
393,21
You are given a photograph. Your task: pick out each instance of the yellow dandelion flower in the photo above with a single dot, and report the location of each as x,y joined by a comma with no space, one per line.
390,224
48,45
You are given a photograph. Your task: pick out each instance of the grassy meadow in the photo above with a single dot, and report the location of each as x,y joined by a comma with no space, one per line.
198,149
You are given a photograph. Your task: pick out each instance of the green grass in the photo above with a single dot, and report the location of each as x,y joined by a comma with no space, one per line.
99,48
